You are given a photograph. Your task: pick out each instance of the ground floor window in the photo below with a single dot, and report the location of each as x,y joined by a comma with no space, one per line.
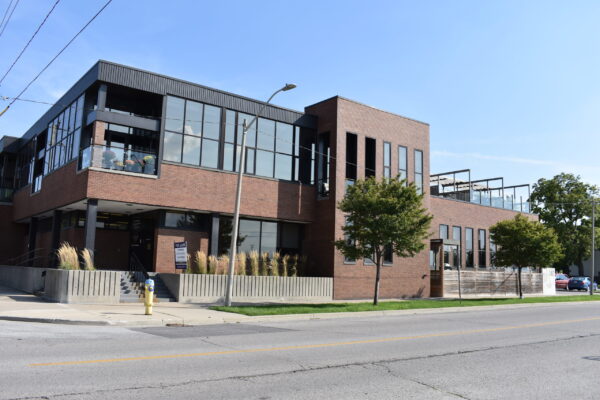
261,236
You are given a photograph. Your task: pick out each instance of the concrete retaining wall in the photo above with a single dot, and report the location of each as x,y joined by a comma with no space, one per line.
92,287
195,288
496,283
27,279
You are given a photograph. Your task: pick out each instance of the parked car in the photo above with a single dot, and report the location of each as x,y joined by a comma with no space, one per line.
581,283
562,281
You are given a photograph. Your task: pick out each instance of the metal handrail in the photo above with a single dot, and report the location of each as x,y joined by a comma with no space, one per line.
137,267
25,258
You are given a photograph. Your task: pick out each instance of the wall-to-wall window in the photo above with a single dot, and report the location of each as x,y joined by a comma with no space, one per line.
402,163
387,160
195,135
469,262
419,171
482,249
63,136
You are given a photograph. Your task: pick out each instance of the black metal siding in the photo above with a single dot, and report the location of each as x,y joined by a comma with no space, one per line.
164,85
72,94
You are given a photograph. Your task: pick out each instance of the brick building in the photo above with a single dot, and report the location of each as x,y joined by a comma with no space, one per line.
128,162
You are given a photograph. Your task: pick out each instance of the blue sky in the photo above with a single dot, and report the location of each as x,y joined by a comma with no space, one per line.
509,88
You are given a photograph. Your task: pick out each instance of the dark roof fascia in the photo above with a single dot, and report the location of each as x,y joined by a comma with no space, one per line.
9,144
71,95
135,78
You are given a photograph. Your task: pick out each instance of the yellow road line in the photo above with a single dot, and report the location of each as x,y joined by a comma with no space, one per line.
313,346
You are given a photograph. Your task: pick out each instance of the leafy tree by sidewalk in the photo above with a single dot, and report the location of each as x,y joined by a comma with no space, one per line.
563,203
524,243
383,215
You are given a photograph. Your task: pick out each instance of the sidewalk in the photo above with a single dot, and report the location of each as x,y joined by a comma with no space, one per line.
19,306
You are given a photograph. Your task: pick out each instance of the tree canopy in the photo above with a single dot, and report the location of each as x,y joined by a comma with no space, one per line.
524,243
383,215
563,203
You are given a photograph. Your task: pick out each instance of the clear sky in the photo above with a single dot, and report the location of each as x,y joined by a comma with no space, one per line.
510,88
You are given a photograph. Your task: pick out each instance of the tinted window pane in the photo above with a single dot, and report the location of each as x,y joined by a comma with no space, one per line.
193,118
285,138
387,149
230,126
80,111
174,220
172,150
249,161
212,122
249,236
266,134
251,135
268,242
191,150
264,163
228,157
290,236
456,233
174,119
76,140
210,153
418,162
283,167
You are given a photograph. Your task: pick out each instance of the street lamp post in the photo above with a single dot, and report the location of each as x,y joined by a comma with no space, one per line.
236,215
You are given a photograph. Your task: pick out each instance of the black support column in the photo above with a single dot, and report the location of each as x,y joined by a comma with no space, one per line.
214,235
56,222
33,228
91,215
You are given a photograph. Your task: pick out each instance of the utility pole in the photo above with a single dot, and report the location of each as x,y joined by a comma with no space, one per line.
593,244
238,197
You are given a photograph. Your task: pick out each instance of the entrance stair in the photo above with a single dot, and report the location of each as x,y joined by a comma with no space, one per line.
132,288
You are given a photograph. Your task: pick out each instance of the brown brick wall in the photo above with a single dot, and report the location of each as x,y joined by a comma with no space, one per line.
59,188
468,215
205,190
407,277
164,254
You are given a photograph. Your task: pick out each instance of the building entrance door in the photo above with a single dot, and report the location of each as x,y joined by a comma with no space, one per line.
142,240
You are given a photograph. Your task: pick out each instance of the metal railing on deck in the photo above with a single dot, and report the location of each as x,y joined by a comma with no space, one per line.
118,159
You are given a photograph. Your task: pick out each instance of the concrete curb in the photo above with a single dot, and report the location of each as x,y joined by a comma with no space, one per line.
231,318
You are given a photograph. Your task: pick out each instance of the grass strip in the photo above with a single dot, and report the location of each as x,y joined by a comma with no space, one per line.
281,309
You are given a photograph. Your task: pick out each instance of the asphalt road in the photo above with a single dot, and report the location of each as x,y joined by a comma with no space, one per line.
538,352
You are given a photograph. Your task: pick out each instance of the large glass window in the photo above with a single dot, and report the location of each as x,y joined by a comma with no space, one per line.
469,247
192,133
370,157
387,160
63,137
273,149
261,236
419,171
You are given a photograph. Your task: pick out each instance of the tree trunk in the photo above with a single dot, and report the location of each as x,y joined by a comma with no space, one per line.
579,264
520,285
377,278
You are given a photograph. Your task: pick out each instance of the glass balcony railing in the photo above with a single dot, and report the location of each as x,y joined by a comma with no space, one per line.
119,159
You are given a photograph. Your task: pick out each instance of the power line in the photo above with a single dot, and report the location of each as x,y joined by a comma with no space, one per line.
30,40
59,53
5,20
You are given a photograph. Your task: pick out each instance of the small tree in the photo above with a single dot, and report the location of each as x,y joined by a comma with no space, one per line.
386,214
524,243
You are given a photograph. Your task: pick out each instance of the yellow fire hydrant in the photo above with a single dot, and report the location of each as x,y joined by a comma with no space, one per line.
149,295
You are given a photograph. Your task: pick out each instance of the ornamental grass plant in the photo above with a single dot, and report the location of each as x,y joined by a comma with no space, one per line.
86,257
67,257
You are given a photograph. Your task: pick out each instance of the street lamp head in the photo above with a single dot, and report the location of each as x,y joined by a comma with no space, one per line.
288,86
